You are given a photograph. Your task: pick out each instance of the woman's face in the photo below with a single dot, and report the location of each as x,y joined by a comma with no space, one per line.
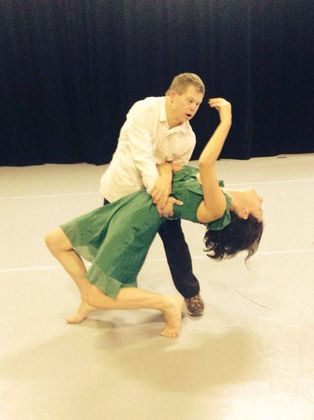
254,203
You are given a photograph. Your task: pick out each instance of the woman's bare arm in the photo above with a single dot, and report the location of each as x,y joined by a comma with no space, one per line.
214,203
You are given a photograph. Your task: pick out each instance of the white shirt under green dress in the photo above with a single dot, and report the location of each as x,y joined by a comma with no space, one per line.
116,237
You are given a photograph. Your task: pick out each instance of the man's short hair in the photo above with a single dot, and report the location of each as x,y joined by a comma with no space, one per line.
182,81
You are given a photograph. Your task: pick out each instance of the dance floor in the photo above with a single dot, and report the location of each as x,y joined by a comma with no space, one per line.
249,357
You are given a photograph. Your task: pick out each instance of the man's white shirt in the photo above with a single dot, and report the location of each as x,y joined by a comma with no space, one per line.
145,140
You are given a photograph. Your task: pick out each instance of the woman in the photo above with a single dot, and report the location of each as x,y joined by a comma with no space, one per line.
116,238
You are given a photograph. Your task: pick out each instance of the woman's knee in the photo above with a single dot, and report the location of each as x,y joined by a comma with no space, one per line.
56,240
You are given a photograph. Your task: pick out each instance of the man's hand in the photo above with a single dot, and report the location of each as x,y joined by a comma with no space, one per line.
161,190
167,210
162,187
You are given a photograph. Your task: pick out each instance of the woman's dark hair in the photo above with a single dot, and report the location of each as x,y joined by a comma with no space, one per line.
239,235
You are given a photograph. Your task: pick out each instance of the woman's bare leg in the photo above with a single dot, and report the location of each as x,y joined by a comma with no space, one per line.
61,248
128,298
134,298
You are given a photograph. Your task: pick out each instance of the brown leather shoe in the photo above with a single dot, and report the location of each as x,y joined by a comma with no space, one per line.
195,305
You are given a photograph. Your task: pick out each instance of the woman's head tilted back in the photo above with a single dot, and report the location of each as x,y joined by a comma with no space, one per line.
240,235
245,229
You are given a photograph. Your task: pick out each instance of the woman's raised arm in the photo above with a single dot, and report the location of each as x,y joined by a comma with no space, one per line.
214,204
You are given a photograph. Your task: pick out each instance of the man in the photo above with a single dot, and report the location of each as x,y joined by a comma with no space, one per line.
156,131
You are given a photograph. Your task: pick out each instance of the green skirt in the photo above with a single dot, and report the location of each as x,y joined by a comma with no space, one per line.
116,239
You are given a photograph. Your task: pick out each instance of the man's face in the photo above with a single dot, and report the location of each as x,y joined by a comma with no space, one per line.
185,106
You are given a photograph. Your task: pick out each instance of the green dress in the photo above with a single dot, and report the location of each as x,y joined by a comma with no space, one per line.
116,237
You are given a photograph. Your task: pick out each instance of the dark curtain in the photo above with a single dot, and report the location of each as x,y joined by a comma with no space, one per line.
70,69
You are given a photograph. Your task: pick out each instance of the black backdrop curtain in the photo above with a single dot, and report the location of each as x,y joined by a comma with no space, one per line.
70,69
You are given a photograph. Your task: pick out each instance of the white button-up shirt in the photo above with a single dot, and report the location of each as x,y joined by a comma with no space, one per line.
145,140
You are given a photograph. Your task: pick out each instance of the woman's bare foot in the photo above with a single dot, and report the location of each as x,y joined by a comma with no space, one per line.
82,311
173,315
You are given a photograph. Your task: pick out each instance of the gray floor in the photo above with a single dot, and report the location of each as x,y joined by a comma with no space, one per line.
250,357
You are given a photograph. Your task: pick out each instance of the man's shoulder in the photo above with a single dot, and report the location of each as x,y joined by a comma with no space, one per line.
146,110
150,102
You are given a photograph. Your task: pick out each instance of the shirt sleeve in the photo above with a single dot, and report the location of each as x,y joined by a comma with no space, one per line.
140,122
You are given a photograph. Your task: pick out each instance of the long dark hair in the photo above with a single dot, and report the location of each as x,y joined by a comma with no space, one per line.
239,235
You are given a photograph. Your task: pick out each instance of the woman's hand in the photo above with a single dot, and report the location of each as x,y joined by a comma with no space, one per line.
223,107
176,167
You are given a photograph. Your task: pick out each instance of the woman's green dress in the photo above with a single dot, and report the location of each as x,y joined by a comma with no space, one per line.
116,237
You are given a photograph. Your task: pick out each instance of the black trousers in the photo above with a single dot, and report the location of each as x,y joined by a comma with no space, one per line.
178,257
